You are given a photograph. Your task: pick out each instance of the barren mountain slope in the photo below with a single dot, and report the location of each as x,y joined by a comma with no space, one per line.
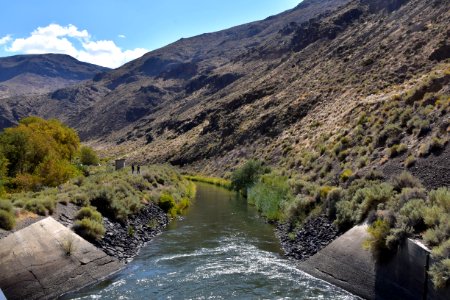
27,76
259,89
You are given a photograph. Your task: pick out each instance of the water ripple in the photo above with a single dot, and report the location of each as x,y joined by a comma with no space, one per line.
208,256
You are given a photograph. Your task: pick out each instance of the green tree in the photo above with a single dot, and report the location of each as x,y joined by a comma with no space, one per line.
3,171
246,176
88,156
38,153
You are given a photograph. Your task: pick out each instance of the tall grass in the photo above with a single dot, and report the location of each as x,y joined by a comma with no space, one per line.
211,180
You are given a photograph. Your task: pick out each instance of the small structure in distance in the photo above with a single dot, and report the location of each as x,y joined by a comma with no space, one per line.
120,164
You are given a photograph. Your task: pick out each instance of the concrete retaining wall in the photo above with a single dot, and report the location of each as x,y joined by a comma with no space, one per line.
401,276
34,263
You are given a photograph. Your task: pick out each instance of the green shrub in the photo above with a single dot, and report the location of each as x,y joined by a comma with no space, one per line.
345,214
89,213
410,161
437,144
408,194
440,273
343,154
68,245
89,229
346,174
6,205
7,220
153,224
441,198
117,201
397,235
443,250
166,202
405,116
397,149
418,126
244,177
366,197
405,180
369,198
269,194
362,162
424,150
41,205
183,205
131,231
88,156
298,209
378,233
333,197
323,192
411,214
80,199
389,135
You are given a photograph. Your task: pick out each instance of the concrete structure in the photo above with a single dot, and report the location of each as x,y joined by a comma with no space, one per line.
34,263
400,276
120,164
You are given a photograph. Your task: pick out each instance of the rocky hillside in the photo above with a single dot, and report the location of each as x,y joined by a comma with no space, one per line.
32,75
268,89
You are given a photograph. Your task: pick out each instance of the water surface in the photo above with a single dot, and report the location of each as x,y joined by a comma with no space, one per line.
221,249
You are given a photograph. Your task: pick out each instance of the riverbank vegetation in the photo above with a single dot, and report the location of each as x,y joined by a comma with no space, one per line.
395,209
43,166
113,194
211,180
336,175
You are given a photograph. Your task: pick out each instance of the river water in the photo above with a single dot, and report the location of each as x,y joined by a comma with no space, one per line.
221,249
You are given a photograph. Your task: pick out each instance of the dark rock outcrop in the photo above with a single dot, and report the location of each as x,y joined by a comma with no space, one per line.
315,235
124,241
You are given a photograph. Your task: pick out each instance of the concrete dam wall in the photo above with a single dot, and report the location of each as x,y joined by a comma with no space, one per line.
34,263
402,275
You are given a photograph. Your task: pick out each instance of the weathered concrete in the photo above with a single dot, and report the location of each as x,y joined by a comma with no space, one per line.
34,263
400,276
345,264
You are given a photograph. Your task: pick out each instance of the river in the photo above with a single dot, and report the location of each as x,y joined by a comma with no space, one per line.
220,249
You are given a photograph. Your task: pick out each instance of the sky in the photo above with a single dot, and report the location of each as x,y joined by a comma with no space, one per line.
112,32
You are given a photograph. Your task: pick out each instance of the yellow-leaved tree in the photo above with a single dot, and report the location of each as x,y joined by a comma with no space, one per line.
38,153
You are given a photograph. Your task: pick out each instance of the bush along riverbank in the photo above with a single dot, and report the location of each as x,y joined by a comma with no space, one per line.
310,216
115,210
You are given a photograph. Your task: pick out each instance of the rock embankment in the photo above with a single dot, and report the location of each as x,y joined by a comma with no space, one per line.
124,241
315,235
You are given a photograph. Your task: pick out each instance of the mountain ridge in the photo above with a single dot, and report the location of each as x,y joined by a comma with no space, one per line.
216,99
31,75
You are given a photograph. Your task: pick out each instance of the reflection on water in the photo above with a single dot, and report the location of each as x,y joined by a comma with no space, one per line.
220,250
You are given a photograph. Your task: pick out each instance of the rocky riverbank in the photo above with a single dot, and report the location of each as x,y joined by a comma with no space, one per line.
124,241
315,235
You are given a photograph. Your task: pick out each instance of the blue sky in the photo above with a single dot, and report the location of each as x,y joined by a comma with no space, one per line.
112,32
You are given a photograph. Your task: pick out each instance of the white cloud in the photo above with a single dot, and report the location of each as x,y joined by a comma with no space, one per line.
55,38
122,36
5,39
